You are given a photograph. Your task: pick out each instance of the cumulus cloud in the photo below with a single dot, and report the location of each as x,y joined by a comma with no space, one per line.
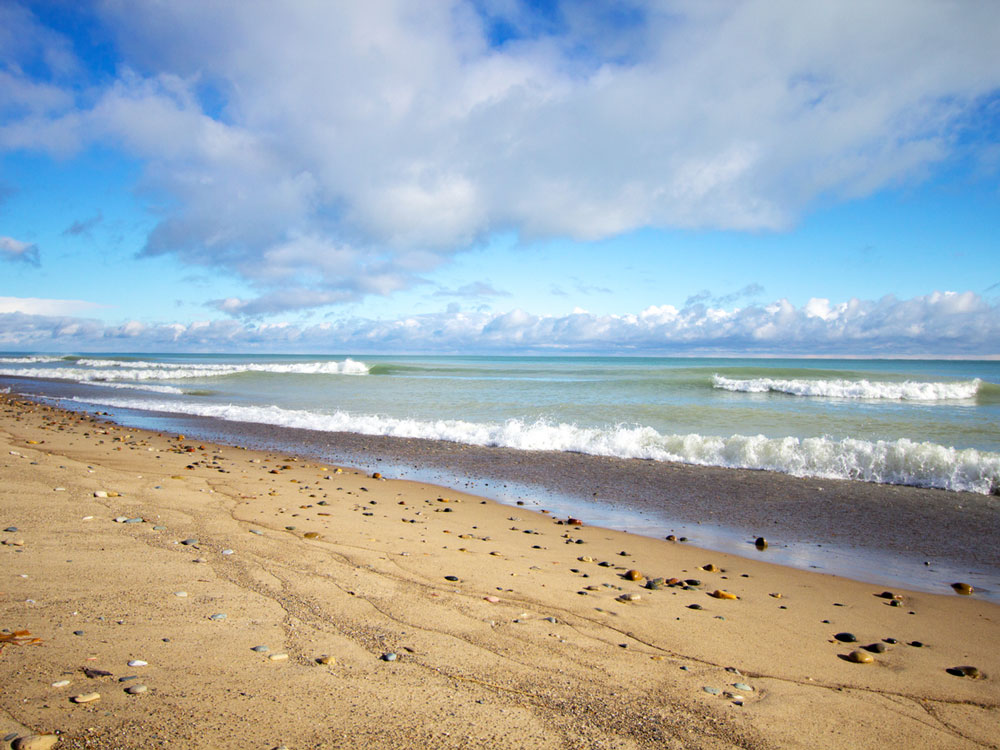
26,252
38,306
346,149
938,324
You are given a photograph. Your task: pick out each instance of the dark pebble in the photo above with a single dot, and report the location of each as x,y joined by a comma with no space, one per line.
695,606
966,671
189,542
877,648
846,637
916,644
77,632
451,578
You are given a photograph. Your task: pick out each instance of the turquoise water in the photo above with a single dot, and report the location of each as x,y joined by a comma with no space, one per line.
925,423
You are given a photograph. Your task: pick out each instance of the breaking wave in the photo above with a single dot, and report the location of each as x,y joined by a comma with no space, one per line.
104,370
854,389
903,461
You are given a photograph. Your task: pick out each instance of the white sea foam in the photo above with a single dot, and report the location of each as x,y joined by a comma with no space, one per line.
854,389
148,387
93,370
890,462
30,360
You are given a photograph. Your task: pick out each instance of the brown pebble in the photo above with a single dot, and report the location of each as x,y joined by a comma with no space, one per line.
965,589
325,659
311,535
710,568
860,657
634,575
720,594
760,543
85,697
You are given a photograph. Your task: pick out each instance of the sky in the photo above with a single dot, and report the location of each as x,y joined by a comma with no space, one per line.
636,177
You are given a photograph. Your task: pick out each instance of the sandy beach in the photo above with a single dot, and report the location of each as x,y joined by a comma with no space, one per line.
216,597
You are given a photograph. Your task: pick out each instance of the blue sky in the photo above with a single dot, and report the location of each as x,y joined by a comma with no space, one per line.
661,177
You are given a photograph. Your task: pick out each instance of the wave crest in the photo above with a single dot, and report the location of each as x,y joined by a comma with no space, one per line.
903,461
853,389
96,370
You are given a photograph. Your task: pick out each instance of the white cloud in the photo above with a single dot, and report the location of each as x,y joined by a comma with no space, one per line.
37,306
351,147
11,249
939,324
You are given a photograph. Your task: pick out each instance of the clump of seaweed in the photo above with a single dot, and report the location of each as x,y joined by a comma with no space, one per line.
17,638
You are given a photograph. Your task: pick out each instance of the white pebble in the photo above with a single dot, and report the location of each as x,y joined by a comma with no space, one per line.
138,663
60,683
227,552
181,593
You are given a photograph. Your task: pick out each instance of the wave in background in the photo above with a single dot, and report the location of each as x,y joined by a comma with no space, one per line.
103,370
853,389
903,461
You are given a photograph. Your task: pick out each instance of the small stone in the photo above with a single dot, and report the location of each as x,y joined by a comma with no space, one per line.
100,493
159,528
133,520
451,578
258,532
655,584
889,595
136,689
742,686
860,657
760,543
278,657
227,552
917,644
138,663
261,649
189,542
846,637
311,535
390,656
877,648
711,690
217,616
629,598
720,594
710,568
492,599
325,659
121,519
966,671
85,697
965,589
35,742
60,683
181,594
77,632
634,575
695,606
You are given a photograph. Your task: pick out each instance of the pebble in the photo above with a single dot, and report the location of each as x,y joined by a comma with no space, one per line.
629,598
634,575
710,568
760,543
720,594
159,528
181,594
965,589
742,686
138,663
121,519
390,656
227,552
325,659
311,535
77,632
860,657
451,578
966,671
278,657
711,690
135,689
217,616
695,606
132,520
35,742
877,648
60,683
261,649
492,599
189,542
846,637
85,697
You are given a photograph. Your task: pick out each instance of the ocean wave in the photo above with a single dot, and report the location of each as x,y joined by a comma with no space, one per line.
902,461
854,389
30,359
148,387
113,371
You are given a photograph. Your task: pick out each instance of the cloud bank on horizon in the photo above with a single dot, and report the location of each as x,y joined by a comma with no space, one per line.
938,324
325,154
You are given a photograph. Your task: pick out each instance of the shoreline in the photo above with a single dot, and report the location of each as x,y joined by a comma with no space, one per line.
508,625
887,534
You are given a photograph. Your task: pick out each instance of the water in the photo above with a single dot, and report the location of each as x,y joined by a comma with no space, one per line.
921,423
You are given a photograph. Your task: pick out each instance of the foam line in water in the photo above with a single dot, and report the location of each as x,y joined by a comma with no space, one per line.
902,461
853,389
112,371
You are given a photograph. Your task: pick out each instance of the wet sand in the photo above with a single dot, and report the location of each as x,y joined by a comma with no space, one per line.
508,626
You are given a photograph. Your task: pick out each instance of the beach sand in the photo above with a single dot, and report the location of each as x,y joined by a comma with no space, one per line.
509,627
